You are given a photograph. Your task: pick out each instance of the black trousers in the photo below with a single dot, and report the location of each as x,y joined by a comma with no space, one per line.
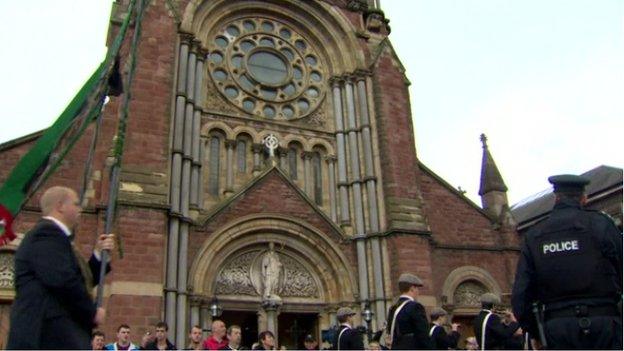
605,333
63,333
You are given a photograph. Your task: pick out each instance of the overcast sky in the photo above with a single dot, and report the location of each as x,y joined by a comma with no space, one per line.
544,79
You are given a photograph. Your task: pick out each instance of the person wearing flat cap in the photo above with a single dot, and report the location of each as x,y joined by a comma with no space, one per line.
439,337
347,337
407,321
570,265
490,331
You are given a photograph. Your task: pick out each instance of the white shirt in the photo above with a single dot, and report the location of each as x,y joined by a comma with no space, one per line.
59,224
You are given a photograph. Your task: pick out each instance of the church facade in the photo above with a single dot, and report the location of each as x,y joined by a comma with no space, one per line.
270,172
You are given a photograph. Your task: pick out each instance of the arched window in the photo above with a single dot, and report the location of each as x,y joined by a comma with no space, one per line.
214,149
241,155
292,161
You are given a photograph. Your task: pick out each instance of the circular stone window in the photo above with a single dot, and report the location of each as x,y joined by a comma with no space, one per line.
266,69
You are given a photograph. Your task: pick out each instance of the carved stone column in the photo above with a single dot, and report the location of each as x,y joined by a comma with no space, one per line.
271,308
354,156
331,169
229,166
308,180
341,147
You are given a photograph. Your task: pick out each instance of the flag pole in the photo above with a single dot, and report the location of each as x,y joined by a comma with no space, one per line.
113,188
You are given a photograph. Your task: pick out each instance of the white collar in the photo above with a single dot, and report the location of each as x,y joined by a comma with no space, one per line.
59,224
346,325
407,297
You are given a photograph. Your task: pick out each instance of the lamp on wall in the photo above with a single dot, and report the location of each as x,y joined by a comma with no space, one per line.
367,315
215,308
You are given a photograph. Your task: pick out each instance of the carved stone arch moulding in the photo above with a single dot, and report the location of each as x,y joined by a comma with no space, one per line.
314,269
7,274
466,284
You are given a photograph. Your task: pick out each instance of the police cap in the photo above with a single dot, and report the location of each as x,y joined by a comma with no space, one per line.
437,312
490,298
568,183
344,312
410,279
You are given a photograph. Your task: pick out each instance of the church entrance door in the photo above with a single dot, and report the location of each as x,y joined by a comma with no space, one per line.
247,320
293,328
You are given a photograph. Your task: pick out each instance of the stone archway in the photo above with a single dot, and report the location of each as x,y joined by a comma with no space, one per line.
463,287
317,276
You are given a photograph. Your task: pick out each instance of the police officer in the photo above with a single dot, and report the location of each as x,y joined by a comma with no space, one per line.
439,337
347,337
571,264
490,331
407,320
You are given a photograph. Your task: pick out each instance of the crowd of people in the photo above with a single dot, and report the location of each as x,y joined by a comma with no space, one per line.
219,338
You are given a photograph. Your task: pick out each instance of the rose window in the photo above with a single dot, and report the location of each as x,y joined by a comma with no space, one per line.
266,69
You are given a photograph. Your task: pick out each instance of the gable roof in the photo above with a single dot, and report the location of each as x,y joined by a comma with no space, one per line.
451,189
255,182
603,179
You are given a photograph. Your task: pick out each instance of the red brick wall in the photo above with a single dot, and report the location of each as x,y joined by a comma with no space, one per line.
396,136
271,195
452,219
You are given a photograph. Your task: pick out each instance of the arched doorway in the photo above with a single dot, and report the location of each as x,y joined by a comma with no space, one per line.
311,276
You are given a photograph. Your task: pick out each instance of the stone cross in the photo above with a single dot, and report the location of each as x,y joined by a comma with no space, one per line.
271,143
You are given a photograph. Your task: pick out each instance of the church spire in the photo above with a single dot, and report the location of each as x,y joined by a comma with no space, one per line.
493,190
491,179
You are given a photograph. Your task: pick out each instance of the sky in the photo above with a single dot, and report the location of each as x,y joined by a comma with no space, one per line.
543,79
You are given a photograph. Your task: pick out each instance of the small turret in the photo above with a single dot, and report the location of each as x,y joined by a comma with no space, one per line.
493,190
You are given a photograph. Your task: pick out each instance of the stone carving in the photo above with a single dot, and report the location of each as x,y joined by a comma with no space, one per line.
7,270
234,277
215,102
266,273
298,282
318,118
468,293
271,272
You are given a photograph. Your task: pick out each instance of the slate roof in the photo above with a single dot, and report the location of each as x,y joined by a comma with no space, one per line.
602,179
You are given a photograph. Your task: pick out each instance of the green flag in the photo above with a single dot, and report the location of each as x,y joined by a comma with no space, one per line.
50,149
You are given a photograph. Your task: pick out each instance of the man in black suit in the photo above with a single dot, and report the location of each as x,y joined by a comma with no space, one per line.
53,308
490,331
407,320
439,337
347,338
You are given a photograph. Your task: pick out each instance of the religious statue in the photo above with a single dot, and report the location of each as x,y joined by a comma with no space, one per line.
271,273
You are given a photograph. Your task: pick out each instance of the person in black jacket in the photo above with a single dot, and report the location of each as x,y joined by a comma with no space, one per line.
440,339
161,342
407,321
53,308
571,267
490,331
347,338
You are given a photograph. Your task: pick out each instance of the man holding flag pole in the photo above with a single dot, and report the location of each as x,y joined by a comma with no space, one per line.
53,308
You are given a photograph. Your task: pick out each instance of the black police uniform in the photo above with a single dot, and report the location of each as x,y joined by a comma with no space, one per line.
497,333
350,339
412,328
572,264
441,339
